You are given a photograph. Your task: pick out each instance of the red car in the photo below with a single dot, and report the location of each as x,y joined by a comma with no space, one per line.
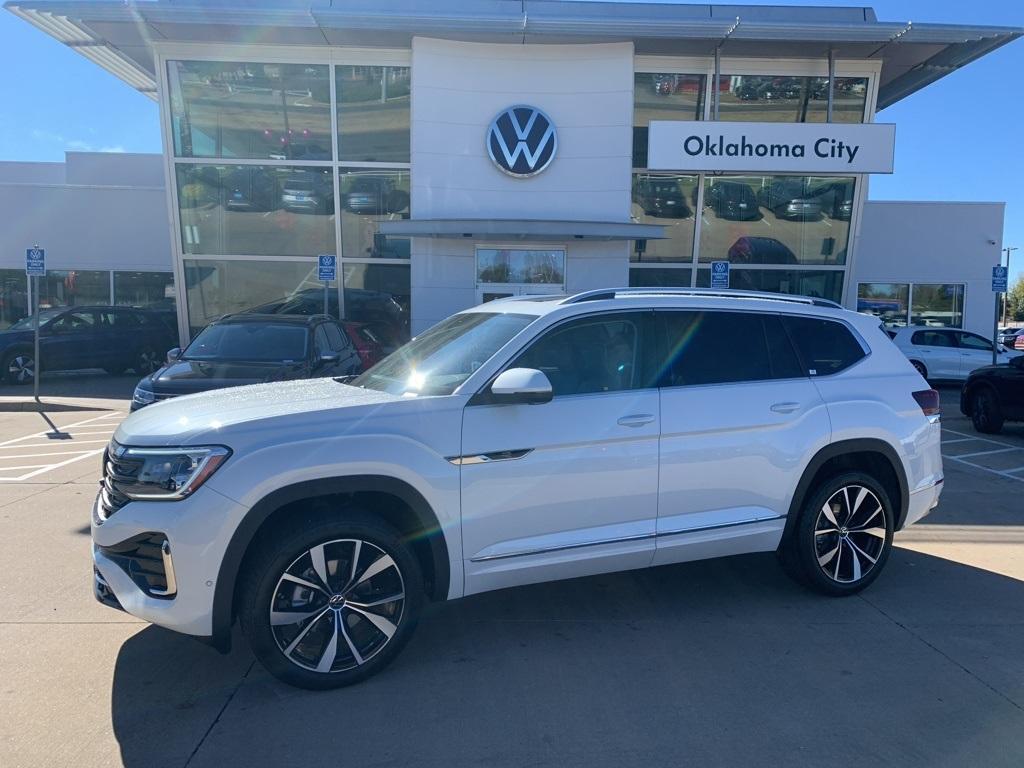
368,347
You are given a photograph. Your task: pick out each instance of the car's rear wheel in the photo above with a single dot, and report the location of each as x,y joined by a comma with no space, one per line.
919,367
986,414
18,367
332,603
146,361
843,536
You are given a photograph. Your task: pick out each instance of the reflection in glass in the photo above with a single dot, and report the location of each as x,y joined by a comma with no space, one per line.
517,266
256,210
776,219
785,99
218,287
373,114
248,110
71,288
152,290
821,284
379,296
668,200
659,278
368,197
663,96
938,305
13,297
886,301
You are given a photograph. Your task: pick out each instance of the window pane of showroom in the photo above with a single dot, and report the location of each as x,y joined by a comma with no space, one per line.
378,295
787,99
668,200
70,288
821,284
368,197
250,110
938,304
254,210
373,114
663,96
13,297
153,290
776,219
886,301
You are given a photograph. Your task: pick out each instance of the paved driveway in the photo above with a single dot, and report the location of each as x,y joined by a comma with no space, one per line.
715,663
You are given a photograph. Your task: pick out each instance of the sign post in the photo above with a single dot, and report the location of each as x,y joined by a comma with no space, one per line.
719,274
35,266
327,270
1000,279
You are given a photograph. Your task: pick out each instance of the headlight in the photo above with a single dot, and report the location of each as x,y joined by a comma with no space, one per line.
143,396
167,474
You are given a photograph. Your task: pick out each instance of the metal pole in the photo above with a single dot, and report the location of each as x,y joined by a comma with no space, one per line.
36,367
831,84
1006,294
326,283
995,330
718,77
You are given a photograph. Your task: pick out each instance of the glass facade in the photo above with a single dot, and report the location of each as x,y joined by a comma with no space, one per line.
150,290
669,200
819,283
899,304
663,96
14,303
520,266
886,301
71,288
312,192
787,99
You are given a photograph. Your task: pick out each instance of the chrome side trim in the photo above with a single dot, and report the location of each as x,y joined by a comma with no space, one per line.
638,537
172,583
486,458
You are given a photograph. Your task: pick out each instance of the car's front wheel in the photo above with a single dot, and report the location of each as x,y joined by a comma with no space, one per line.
986,415
18,368
843,536
333,602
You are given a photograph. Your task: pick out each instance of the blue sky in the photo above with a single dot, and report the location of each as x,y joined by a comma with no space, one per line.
960,139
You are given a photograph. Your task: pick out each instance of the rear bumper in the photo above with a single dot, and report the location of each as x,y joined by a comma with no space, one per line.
923,501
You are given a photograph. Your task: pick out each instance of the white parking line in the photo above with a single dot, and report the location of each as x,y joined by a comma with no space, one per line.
51,444
986,453
999,472
982,439
69,448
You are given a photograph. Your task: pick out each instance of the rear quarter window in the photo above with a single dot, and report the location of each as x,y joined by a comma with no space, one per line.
824,346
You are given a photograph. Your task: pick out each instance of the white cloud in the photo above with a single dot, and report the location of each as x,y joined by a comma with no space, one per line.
73,145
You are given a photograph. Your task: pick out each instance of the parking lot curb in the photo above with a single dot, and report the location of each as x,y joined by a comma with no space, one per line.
55,404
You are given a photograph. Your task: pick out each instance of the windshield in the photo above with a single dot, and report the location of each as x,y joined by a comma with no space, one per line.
29,323
437,361
256,342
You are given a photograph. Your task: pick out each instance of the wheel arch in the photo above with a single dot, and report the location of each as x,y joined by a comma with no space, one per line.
411,513
871,455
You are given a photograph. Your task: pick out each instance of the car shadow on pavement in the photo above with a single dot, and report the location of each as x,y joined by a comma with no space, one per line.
725,662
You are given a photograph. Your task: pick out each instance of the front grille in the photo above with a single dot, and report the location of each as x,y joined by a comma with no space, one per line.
144,558
117,470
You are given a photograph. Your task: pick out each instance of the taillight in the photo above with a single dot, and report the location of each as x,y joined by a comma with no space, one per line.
928,399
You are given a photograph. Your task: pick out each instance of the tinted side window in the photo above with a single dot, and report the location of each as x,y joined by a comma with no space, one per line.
973,341
592,354
74,321
323,346
724,347
932,339
824,346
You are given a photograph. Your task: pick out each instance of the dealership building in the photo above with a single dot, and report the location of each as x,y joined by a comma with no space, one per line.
451,152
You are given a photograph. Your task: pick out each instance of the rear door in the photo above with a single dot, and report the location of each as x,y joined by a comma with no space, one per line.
569,487
939,351
738,417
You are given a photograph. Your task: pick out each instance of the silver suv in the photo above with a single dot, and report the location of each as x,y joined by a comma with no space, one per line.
521,441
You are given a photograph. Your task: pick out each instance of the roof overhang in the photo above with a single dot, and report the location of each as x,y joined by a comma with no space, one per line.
536,230
119,36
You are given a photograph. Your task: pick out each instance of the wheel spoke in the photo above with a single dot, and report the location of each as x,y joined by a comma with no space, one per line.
385,626
863,554
856,561
298,638
873,516
823,531
846,498
327,659
382,563
858,501
876,532
348,640
316,554
825,559
358,547
381,601
304,583
284,618
829,514
839,559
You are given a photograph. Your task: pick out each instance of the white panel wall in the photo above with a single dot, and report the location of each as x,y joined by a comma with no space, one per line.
933,242
458,88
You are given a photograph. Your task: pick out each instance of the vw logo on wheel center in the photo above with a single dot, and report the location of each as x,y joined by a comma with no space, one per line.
522,141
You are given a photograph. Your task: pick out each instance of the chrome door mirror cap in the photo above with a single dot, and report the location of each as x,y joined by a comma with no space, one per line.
522,385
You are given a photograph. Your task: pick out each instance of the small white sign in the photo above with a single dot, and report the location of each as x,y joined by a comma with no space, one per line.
835,148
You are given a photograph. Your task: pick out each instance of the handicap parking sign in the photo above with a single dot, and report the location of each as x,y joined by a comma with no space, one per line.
327,267
35,262
719,274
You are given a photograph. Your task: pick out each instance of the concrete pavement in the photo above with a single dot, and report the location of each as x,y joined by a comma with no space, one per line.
715,663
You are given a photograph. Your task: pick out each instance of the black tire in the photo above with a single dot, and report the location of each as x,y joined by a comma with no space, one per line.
920,368
147,361
815,556
361,646
18,367
986,415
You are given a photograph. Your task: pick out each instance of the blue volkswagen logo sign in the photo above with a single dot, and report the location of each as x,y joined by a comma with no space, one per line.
522,141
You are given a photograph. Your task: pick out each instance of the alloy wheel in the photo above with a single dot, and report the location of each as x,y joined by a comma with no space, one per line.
21,369
148,362
337,605
850,534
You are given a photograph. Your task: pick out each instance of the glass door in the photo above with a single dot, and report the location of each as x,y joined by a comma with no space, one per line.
504,272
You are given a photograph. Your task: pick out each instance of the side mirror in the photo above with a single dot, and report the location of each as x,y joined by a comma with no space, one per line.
173,354
330,359
522,385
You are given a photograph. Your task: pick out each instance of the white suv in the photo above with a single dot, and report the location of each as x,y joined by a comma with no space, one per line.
947,353
521,441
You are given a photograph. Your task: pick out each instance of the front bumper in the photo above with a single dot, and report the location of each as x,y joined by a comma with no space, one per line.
197,530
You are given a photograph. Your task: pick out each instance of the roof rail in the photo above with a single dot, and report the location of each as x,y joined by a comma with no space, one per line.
728,293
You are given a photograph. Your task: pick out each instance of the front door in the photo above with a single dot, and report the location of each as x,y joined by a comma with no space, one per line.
569,487
70,342
738,416
975,352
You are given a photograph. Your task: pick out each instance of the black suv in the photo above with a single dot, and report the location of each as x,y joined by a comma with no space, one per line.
71,338
250,349
994,394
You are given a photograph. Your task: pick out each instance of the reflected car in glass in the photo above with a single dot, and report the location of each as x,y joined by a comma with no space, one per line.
835,199
663,198
252,349
788,199
732,200
308,192
375,196
760,250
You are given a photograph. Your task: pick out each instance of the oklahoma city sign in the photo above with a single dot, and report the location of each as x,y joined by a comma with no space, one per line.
776,147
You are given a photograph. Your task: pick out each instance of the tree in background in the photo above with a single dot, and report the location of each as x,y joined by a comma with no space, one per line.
1015,300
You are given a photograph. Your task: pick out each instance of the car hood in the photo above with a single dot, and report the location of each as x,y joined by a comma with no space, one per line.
213,416
187,376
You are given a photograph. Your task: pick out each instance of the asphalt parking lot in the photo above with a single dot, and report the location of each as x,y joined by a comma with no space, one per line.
714,663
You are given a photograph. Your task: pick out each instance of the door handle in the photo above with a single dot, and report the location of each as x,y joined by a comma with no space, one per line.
785,407
636,420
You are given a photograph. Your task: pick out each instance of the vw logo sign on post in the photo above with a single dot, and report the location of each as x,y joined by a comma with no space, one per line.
522,141
719,274
327,267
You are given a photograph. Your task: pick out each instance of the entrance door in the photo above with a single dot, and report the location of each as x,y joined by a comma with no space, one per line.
505,272
569,487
